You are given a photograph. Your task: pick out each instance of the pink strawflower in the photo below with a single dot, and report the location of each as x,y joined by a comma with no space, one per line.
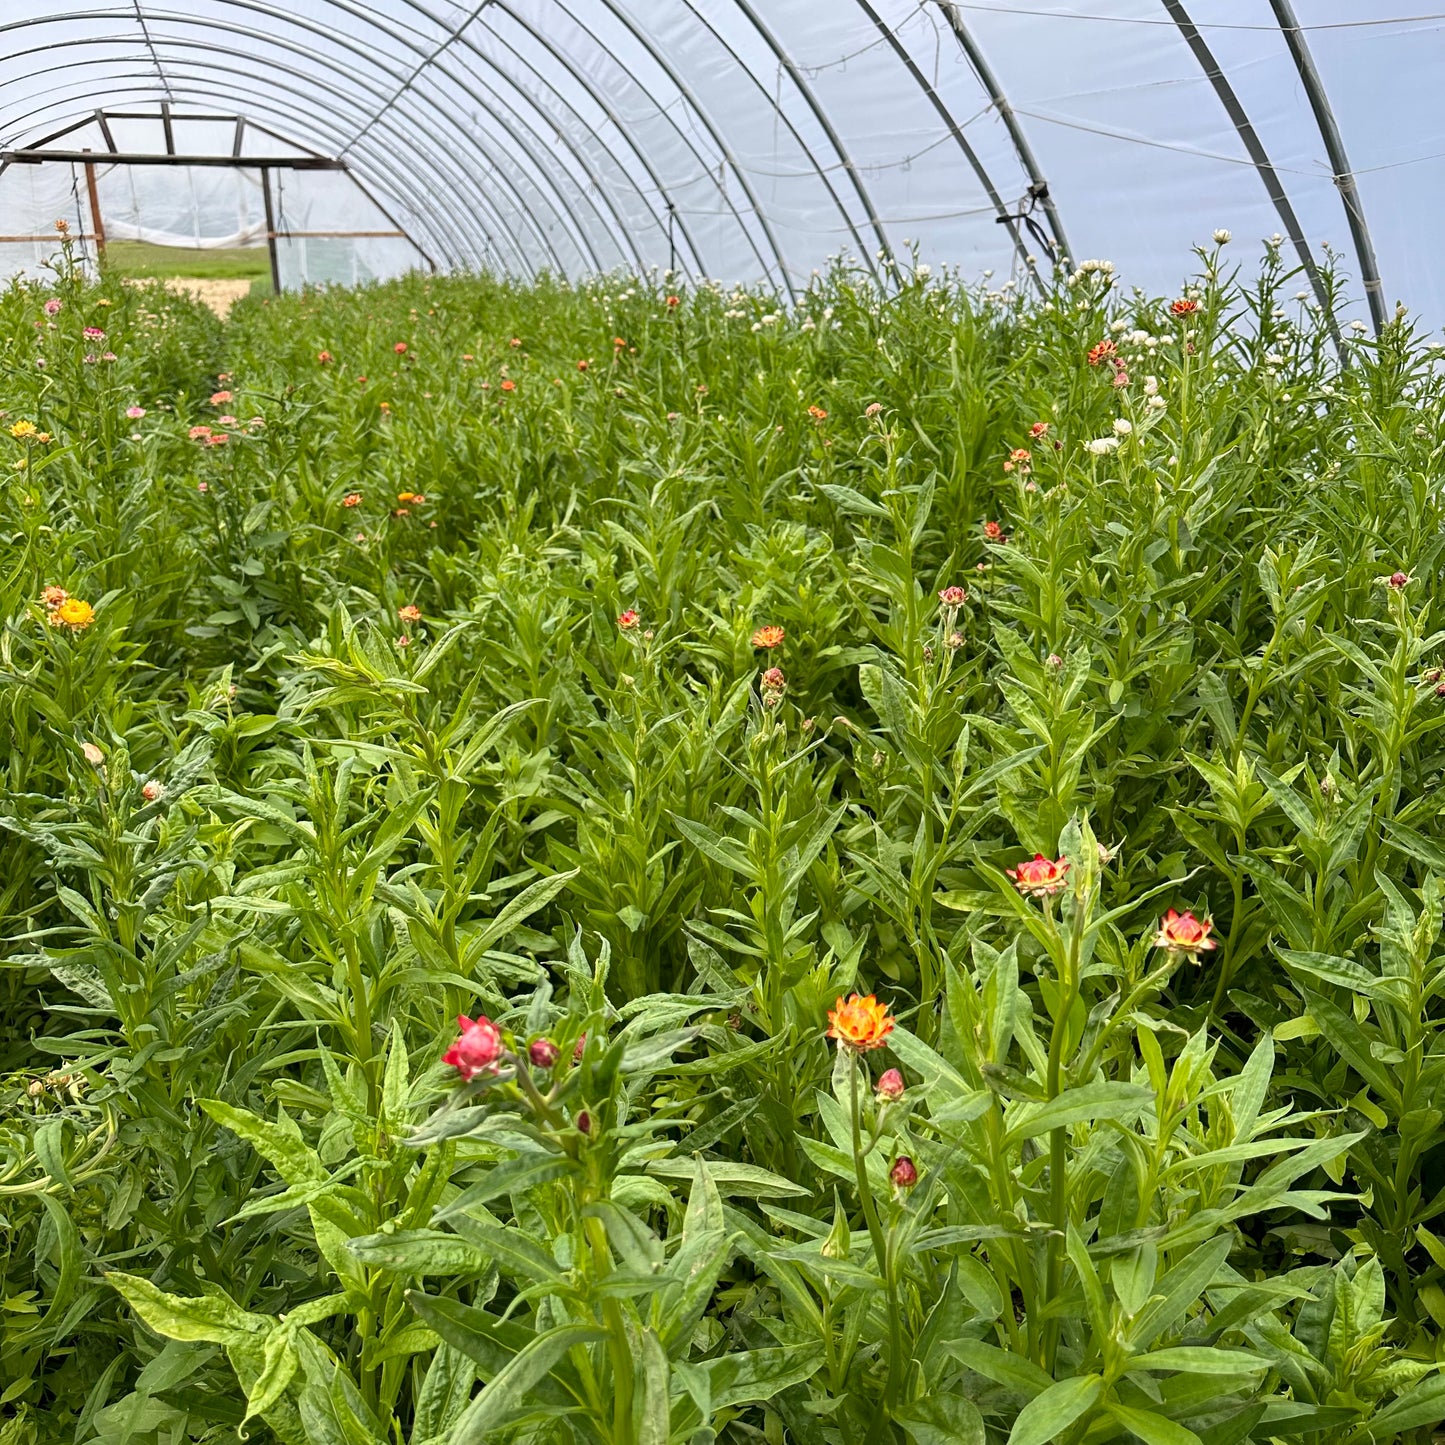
477,1050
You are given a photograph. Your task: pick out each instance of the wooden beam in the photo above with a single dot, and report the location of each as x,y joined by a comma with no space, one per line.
96,224
129,158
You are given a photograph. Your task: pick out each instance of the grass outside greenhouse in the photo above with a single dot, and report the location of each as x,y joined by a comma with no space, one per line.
641,678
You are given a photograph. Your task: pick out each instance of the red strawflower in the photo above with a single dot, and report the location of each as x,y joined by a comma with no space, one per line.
953,596
1184,306
628,621
904,1172
542,1053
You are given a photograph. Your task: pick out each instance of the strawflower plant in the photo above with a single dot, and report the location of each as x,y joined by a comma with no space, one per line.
620,862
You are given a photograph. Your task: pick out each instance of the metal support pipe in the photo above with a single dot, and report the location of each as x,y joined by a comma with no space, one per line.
271,230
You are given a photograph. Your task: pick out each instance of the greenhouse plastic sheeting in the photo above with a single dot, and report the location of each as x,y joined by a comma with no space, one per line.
754,141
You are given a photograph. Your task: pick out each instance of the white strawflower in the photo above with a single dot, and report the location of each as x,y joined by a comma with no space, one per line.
1156,403
923,271
1102,446
1222,237
1122,426
1151,386
1358,325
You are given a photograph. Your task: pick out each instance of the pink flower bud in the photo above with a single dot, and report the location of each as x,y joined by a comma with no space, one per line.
890,1086
152,790
1398,580
93,754
577,1052
904,1172
584,1122
477,1050
542,1052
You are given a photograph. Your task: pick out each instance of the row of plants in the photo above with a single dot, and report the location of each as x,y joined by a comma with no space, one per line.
608,863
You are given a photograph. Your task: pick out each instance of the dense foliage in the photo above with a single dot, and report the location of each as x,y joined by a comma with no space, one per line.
639,676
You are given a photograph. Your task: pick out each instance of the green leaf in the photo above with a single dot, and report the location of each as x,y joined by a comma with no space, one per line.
421,1252
213,1318
754,1375
280,1144
1048,1415
1199,1360
1105,1099
943,1419
508,1390
745,1179
1152,1429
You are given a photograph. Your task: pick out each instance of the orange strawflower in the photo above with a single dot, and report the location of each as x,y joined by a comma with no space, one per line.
410,613
860,1023
1102,352
1184,307
769,637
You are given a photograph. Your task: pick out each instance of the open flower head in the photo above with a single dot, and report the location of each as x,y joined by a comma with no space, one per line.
1040,877
72,613
1183,933
860,1023
477,1049
768,637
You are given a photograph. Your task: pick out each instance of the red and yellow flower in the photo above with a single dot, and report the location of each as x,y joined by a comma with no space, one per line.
1183,933
1040,877
860,1023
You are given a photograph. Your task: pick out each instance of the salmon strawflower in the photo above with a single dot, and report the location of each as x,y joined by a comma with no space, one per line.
773,680
515,342
400,348
73,613
673,302
52,597
1183,933
994,532
861,1023
217,439
583,365
628,621
197,432
1019,458
509,385
220,398
953,596
769,637
1039,877
1039,429
410,613
324,358
351,499
1102,352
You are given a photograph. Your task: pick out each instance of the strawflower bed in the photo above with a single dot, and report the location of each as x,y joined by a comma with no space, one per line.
613,864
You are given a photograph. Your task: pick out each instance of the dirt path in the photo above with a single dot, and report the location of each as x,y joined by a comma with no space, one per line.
219,295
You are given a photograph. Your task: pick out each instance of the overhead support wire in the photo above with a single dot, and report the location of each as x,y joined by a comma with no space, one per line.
1038,186
1249,137
1344,177
1007,218
800,84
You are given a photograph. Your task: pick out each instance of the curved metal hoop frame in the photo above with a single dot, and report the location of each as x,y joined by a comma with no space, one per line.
505,146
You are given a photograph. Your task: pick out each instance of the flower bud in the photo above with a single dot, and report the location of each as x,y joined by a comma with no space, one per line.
890,1086
904,1172
577,1052
477,1050
542,1053
152,791
584,1122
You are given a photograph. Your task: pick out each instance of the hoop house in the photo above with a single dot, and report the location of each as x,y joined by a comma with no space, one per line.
741,141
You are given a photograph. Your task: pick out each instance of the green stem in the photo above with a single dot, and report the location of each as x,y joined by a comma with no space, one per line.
881,1253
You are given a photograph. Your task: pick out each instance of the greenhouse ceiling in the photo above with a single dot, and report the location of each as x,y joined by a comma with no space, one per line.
755,139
